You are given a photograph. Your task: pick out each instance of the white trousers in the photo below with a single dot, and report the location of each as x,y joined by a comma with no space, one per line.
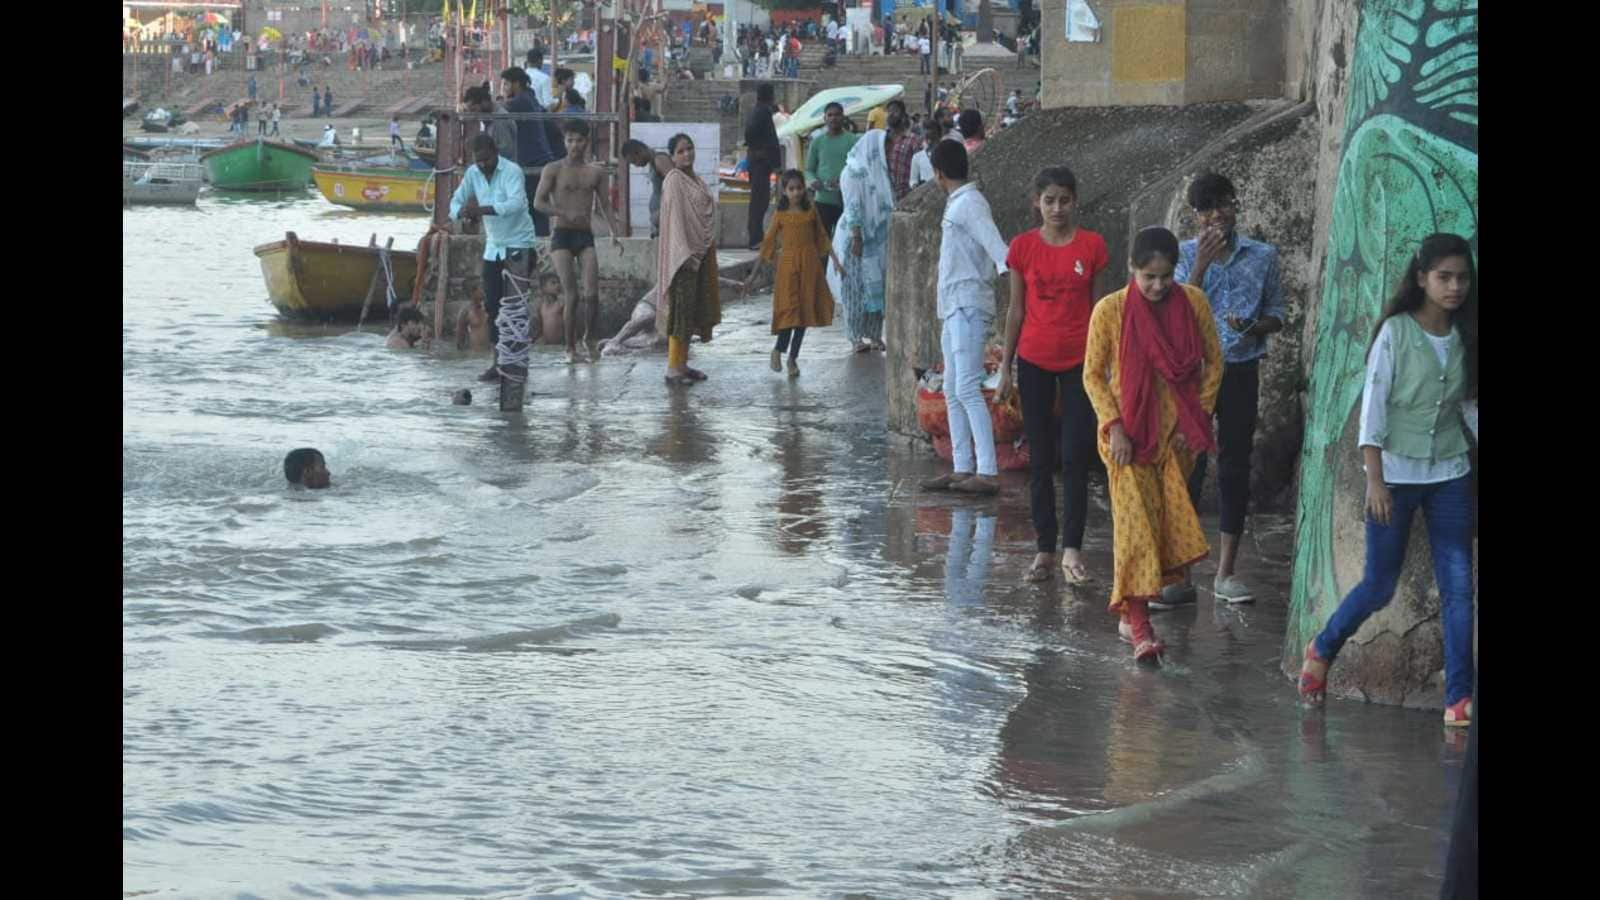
962,342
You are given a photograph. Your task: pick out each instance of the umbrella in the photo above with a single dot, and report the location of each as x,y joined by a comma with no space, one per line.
367,34
211,18
271,34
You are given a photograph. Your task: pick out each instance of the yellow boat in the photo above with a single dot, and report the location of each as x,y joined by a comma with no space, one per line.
314,280
375,189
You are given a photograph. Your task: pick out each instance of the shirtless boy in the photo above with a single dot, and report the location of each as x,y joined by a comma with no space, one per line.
551,324
409,331
472,325
568,191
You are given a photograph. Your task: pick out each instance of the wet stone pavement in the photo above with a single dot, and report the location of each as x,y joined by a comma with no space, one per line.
653,641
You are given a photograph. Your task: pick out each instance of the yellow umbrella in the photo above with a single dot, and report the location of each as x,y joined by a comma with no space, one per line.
271,34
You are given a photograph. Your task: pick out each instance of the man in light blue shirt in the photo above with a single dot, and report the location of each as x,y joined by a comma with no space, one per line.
1241,279
495,191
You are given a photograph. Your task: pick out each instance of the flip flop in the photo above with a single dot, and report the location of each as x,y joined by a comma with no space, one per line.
1038,572
1078,574
694,374
679,380
1313,690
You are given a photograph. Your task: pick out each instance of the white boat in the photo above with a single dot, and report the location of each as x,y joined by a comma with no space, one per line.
856,100
160,182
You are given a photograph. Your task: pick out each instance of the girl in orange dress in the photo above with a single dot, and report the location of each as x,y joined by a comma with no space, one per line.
1152,369
800,295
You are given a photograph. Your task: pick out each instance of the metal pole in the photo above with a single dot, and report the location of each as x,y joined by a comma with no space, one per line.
554,59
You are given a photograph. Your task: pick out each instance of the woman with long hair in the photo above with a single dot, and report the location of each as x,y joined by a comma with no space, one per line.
864,230
686,262
1419,402
1152,369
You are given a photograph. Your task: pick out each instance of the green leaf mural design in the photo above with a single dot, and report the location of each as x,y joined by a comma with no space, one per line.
1410,168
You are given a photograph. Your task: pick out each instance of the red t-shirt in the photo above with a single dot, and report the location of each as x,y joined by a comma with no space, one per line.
1060,284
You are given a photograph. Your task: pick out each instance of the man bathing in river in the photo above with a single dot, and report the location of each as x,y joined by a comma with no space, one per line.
306,468
568,191
408,332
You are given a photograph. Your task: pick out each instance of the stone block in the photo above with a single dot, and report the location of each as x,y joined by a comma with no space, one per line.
1168,93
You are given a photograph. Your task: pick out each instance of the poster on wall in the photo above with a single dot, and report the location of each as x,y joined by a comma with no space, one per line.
1083,26
707,137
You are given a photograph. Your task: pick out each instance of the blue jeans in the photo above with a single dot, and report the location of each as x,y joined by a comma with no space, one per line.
1447,507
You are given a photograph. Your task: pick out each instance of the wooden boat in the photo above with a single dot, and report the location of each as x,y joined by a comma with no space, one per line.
376,189
314,280
259,165
160,182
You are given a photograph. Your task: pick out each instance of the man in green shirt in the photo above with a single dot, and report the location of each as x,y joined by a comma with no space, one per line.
825,163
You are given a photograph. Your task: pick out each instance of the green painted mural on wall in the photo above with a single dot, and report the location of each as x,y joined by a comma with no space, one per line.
1409,168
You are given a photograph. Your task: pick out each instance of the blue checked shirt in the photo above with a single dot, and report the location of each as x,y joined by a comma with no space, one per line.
1245,284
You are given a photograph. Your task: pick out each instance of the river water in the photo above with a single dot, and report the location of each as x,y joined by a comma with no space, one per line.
641,641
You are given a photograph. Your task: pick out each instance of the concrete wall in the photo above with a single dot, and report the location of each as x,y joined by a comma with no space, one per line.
1396,100
1166,53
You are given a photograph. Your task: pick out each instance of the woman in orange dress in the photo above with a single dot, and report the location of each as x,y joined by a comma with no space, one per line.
1152,369
800,295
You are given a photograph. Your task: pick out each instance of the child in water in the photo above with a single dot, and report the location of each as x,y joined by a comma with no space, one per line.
1419,402
409,330
800,295
552,310
1152,368
305,467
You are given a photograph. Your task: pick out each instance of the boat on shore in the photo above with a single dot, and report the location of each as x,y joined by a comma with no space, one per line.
165,183
329,281
259,165
375,188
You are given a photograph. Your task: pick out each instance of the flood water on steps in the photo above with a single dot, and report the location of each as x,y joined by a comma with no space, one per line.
652,641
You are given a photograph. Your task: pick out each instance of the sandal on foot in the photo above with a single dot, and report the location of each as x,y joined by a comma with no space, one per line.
777,361
679,380
1459,713
794,368
1146,646
1314,690
694,374
1038,572
1076,573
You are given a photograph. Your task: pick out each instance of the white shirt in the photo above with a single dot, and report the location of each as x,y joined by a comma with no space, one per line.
971,253
1375,414
921,167
541,87
924,46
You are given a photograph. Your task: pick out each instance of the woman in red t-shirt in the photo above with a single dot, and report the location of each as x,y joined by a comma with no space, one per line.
1047,328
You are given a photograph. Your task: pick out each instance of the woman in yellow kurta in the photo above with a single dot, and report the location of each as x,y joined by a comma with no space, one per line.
800,295
1152,369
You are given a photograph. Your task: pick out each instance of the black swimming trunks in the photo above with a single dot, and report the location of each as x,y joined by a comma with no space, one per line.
573,240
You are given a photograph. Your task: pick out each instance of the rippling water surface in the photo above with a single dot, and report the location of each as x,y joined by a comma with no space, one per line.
664,643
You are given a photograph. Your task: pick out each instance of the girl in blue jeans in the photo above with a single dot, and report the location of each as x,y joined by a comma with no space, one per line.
1419,402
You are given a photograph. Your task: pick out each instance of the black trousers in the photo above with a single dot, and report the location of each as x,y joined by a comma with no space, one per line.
1235,416
783,341
494,286
762,162
1075,431
830,215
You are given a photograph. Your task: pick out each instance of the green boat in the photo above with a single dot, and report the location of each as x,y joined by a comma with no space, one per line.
259,165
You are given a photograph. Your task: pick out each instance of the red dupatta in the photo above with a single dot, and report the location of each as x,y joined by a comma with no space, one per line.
1161,339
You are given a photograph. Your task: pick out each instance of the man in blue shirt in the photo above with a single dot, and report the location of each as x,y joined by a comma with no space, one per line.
1241,279
495,191
533,148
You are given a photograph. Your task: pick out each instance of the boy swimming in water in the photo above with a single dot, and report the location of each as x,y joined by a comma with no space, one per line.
408,330
306,468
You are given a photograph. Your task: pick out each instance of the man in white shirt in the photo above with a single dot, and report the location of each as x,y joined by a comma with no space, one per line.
921,162
925,51
971,252
538,80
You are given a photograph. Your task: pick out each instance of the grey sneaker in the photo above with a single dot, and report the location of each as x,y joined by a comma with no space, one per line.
1230,589
1174,596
